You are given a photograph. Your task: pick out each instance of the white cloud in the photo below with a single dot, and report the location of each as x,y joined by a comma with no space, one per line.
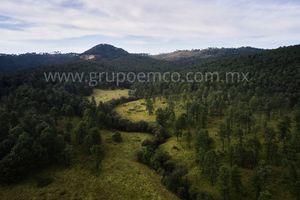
148,26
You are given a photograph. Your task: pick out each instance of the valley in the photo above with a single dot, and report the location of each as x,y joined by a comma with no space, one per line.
190,141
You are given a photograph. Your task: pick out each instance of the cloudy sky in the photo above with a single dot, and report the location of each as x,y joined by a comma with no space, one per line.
146,25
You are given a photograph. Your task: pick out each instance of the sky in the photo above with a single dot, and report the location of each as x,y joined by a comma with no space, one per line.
146,26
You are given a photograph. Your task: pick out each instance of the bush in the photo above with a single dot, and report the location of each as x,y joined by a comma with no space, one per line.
144,155
116,137
153,143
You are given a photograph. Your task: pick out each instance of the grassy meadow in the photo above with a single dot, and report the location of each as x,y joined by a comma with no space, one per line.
136,110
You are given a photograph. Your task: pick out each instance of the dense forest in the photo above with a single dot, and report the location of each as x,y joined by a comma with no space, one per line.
243,138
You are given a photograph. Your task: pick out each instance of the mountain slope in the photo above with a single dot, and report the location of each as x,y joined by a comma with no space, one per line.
206,53
104,51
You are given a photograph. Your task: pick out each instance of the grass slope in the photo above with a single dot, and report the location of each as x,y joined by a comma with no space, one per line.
121,177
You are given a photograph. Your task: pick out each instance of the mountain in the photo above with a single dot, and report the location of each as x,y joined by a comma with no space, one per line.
105,51
206,53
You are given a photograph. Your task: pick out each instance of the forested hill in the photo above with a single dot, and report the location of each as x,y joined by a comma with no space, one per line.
106,51
271,72
11,63
206,53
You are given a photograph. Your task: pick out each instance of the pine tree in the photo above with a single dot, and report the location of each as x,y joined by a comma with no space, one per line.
224,182
210,166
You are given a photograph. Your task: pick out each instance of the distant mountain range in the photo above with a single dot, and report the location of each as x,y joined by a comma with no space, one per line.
11,63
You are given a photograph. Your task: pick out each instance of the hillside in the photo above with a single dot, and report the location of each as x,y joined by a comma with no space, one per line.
207,53
12,63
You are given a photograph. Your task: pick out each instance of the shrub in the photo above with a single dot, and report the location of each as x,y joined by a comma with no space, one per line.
169,166
159,159
43,181
144,155
175,179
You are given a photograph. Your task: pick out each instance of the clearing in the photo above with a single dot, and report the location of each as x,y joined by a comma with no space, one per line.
136,110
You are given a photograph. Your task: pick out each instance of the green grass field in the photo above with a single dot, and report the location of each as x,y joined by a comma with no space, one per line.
107,95
121,177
